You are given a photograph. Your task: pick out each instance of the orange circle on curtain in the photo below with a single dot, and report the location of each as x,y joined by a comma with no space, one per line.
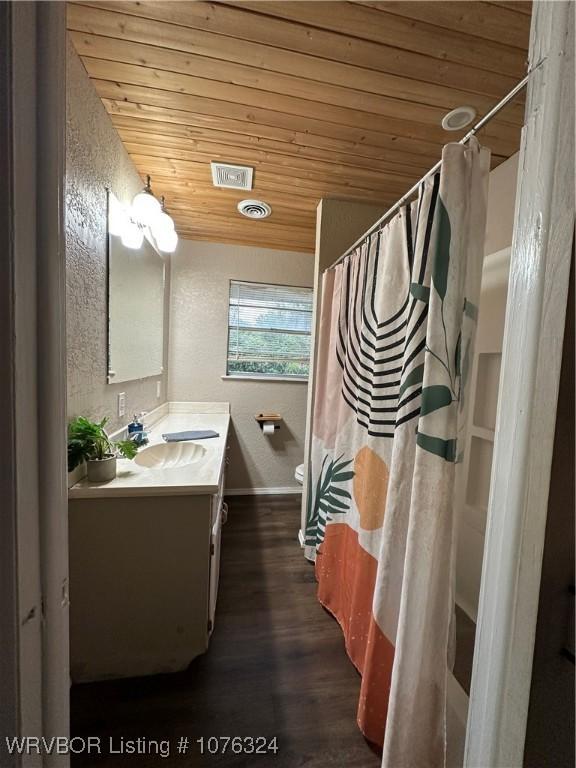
370,488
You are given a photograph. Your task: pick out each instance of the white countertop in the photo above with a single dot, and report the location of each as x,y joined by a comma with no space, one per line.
202,476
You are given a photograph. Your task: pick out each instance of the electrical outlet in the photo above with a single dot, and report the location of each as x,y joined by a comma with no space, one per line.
121,404
158,389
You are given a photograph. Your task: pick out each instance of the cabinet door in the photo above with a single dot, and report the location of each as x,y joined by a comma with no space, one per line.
215,565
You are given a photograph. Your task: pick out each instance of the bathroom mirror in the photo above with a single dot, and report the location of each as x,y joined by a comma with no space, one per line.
135,309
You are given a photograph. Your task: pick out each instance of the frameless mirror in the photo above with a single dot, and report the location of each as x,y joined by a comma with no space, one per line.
135,307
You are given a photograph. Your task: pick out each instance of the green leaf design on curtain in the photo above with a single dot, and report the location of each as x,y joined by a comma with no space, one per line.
310,497
445,449
341,477
340,492
328,499
312,508
434,397
470,310
457,354
420,292
414,377
442,257
336,503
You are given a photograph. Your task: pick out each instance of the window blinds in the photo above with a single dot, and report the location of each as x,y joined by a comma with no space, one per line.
269,330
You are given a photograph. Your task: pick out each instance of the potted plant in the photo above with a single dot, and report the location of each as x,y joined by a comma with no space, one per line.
88,441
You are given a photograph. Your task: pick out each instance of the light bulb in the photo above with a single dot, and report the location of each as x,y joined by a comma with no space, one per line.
145,207
132,235
167,241
162,224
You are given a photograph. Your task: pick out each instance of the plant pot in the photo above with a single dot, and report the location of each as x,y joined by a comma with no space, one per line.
102,470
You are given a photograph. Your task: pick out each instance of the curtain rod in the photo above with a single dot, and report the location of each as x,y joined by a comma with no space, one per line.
480,124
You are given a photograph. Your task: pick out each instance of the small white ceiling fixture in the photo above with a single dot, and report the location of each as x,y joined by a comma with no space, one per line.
231,176
254,209
458,118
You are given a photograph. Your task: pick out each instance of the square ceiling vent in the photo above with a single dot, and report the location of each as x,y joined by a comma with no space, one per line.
231,176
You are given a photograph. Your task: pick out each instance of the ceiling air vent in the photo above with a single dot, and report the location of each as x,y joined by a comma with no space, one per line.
254,209
231,176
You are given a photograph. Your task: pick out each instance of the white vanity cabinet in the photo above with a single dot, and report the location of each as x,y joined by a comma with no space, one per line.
143,583
144,567
219,510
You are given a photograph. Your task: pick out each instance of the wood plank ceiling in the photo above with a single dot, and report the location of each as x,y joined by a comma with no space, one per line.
323,99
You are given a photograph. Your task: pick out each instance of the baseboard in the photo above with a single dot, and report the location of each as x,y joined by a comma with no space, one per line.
279,491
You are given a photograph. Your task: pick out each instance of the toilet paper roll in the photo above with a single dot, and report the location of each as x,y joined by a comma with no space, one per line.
268,427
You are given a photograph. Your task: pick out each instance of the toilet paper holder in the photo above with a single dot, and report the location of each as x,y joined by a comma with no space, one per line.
272,419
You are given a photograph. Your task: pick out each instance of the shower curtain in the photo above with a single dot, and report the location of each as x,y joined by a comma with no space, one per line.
395,347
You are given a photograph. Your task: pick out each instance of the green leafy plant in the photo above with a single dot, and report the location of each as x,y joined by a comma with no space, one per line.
88,441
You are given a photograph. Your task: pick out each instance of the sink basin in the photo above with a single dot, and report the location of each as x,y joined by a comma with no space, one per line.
169,455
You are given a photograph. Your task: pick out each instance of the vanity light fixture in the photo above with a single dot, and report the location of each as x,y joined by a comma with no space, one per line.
167,241
163,230
145,207
132,235
145,213
162,222
122,225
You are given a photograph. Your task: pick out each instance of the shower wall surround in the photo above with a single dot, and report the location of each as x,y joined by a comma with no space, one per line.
485,369
95,159
501,203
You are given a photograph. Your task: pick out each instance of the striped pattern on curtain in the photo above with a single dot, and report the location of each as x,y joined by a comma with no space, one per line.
381,353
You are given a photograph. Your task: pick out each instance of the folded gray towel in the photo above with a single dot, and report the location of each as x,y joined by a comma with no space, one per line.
191,434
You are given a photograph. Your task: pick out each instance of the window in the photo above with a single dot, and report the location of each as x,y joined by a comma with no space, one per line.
269,330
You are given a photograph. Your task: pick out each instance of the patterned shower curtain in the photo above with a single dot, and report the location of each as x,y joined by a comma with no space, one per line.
395,348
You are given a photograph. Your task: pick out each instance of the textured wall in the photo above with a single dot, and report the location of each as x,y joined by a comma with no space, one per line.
499,231
340,223
95,160
201,274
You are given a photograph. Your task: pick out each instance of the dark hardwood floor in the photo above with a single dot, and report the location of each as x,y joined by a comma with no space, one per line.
276,666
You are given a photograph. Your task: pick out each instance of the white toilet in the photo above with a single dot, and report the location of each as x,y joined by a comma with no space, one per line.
299,474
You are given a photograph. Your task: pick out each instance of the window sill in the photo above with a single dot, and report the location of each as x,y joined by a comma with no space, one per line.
259,377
